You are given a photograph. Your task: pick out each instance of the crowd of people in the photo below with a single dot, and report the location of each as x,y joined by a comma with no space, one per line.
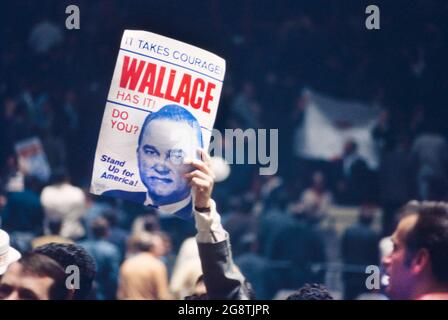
415,267
53,86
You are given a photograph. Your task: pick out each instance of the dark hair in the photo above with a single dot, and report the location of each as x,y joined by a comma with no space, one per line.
313,291
100,227
43,266
72,254
195,296
430,232
175,113
366,215
32,183
354,145
111,216
151,223
59,175
54,225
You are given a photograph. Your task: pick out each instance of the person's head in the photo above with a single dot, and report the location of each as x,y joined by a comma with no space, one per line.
71,254
32,183
366,214
418,263
150,242
111,216
151,223
278,198
245,205
34,277
12,163
9,107
313,291
167,137
384,116
100,228
59,176
249,89
350,147
8,255
318,181
54,226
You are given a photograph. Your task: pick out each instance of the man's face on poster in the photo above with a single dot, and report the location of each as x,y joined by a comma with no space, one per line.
164,146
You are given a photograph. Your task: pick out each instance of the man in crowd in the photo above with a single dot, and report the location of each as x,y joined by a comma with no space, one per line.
23,213
107,259
144,276
66,254
352,174
359,248
54,228
34,277
418,264
64,201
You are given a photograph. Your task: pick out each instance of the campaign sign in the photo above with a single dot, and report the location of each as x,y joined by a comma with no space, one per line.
32,158
160,109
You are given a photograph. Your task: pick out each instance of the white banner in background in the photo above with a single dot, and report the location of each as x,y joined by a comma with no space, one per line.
329,123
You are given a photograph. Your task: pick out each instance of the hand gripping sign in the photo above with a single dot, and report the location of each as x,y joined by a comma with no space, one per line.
160,109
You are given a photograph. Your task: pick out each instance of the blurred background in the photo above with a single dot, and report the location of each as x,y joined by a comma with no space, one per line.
322,218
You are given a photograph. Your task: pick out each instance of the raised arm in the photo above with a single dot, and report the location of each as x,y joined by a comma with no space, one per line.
222,278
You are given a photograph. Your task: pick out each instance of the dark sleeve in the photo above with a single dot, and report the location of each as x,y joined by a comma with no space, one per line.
222,279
